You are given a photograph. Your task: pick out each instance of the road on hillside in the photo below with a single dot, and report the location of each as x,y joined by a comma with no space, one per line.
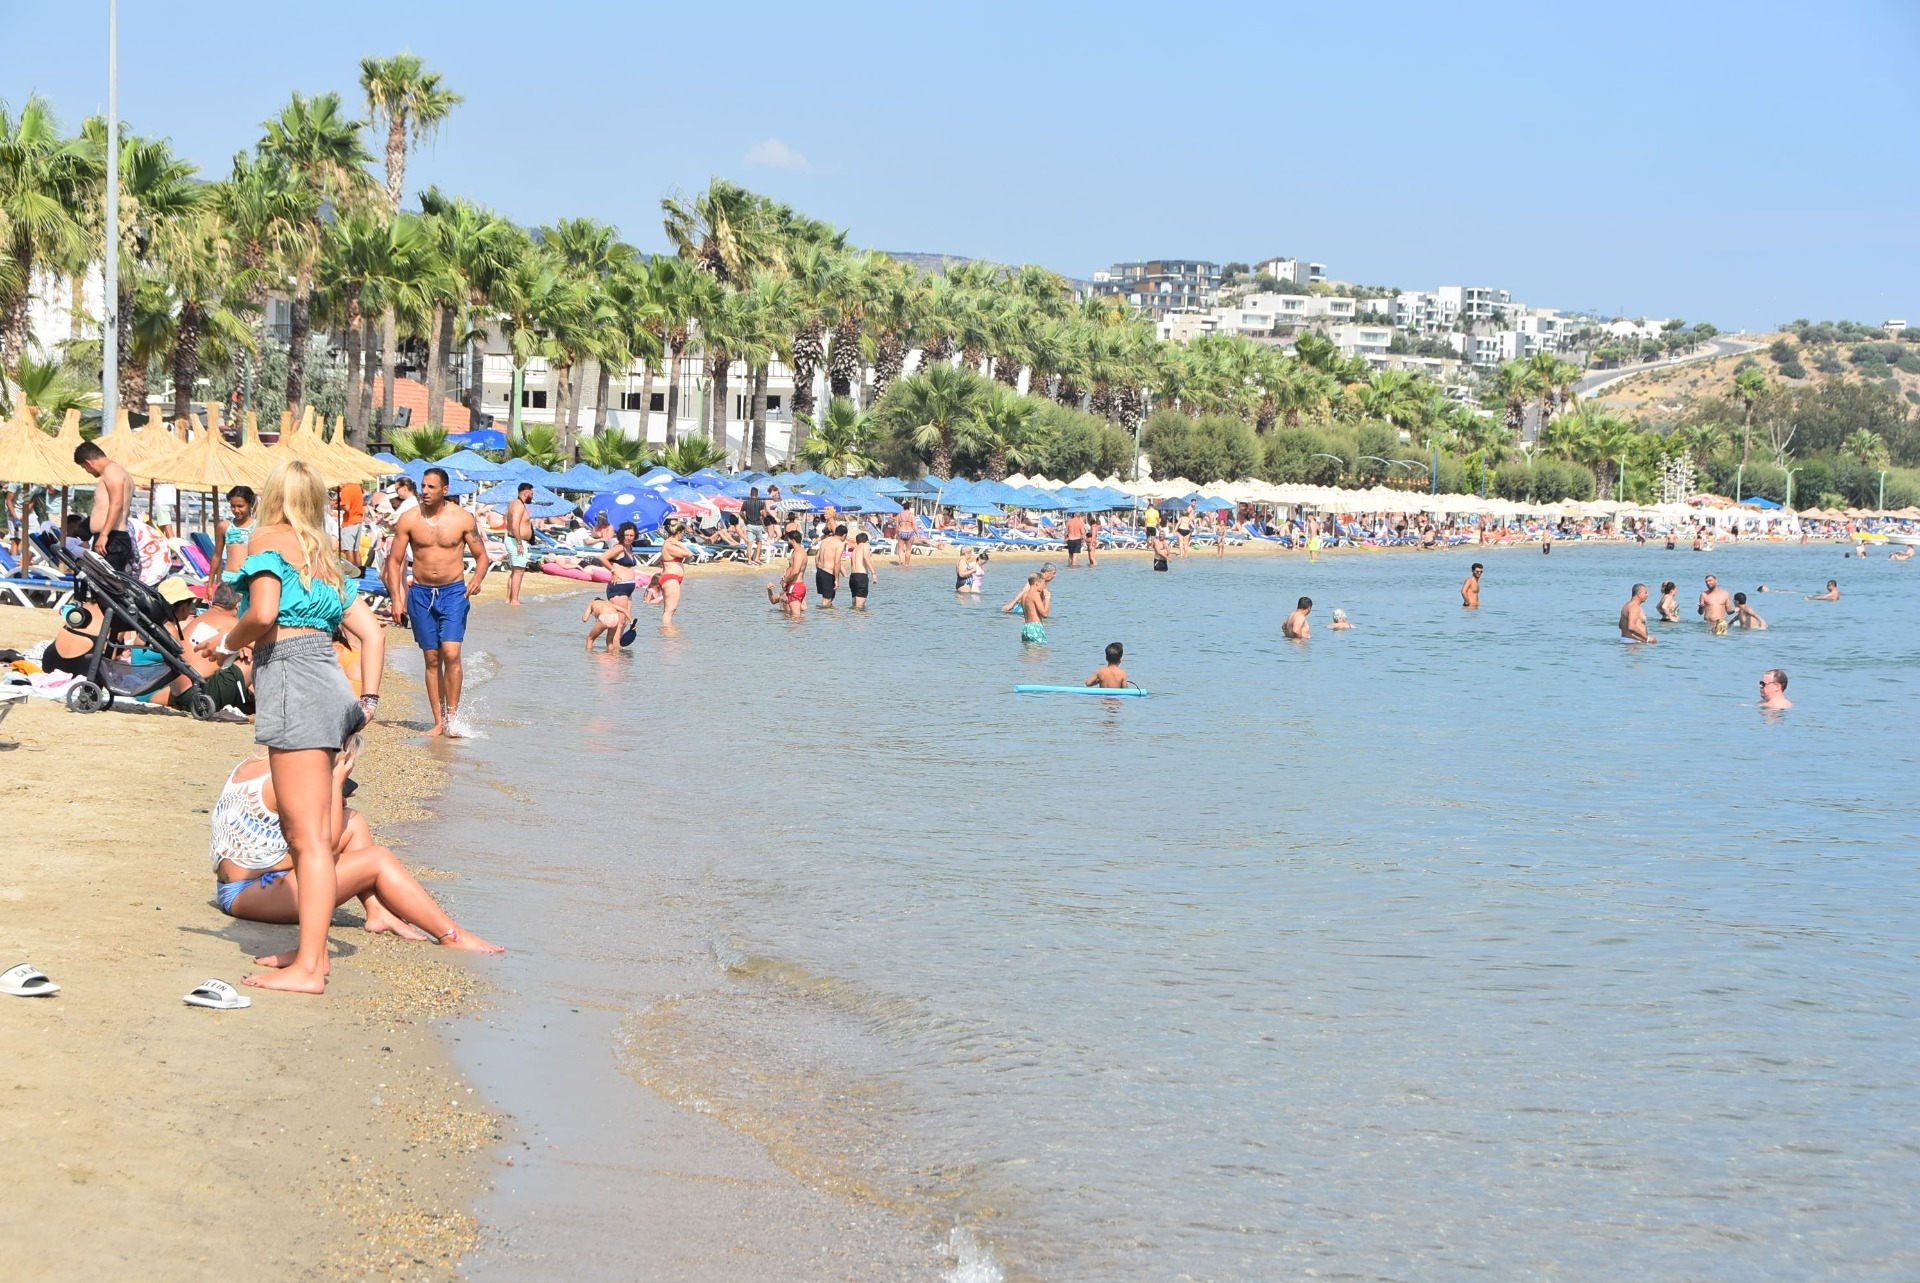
1724,345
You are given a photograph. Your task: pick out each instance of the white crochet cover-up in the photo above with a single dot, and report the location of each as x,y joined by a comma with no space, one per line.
244,830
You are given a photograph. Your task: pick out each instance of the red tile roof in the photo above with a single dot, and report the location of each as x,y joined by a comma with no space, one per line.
412,394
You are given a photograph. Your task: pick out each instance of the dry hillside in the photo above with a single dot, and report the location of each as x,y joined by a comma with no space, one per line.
1659,394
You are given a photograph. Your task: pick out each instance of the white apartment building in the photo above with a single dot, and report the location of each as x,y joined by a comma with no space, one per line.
1261,313
539,399
1485,351
1291,269
1542,330
1369,341
1184,327
1448,306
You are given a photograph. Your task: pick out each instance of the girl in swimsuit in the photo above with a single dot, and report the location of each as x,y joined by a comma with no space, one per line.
234,534
673,560
963,573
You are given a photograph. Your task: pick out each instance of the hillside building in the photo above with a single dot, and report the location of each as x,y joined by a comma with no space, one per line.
1162,285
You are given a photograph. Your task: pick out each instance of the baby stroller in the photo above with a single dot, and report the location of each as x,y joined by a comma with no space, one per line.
124,605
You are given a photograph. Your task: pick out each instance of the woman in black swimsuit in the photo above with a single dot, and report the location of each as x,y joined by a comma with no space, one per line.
623,566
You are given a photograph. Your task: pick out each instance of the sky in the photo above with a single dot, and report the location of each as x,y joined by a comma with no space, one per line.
1739,163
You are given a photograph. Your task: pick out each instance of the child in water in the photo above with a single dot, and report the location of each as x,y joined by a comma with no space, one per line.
653,595
608,619
1110,676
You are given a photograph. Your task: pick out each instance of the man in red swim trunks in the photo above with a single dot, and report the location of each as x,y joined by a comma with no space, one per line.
790,594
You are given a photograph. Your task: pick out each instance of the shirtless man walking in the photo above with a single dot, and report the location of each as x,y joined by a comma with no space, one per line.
860,570
438,534
108,520
1470,590
519,540
826,564
1633,617
1713,606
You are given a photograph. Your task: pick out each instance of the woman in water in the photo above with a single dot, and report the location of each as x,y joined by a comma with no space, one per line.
963,572
1669,603
673,560
234,534
622,563
255,877
293,599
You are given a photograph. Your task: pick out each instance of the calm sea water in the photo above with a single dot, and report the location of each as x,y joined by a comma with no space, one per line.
1462,944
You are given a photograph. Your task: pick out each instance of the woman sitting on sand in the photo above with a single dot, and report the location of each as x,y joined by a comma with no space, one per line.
253,869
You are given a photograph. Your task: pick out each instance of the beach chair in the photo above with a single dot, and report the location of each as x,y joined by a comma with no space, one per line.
32,587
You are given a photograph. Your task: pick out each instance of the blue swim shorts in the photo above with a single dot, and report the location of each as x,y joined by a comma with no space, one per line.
438,613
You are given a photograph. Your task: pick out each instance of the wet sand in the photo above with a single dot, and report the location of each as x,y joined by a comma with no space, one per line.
299,1138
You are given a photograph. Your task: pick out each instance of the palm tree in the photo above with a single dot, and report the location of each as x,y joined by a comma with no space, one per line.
1002,426
614,450
1749,384
691,455
1514,383
930,409
428,443
266,222
413,104
766,336
320,151
477,247
208,315
725,231
816,273
1701,440
52,387
43,180
840,446
1553,381
1866,446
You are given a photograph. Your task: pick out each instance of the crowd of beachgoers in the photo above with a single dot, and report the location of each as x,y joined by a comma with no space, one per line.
279,612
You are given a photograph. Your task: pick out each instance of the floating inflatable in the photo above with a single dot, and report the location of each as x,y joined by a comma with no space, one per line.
1075,690
591,574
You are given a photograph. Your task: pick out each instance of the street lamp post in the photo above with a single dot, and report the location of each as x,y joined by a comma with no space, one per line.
110,305
1882,505
1737,474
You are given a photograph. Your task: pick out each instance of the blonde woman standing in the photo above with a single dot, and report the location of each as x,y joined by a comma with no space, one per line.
293,599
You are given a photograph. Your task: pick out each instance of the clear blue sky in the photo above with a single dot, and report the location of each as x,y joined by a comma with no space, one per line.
1740,163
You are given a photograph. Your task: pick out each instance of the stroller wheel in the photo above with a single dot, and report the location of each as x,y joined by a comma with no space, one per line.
85,697
200,704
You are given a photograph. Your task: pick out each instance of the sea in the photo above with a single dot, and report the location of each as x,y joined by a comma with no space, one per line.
1456,945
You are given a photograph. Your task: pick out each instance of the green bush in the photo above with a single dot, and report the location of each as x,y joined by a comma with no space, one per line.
1548,481
1290,457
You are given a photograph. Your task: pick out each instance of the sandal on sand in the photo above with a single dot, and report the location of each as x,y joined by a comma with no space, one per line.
217,995
26,981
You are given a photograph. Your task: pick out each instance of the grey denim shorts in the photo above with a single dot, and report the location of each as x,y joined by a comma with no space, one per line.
301,698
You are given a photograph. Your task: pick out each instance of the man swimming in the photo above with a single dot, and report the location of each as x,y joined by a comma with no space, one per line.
1633,617
1745,615
1296,626
860,569
1713,606
1470,590
1032,603
1831,594
1773,689
1110,676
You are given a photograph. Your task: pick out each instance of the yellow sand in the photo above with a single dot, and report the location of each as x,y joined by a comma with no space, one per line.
145,1139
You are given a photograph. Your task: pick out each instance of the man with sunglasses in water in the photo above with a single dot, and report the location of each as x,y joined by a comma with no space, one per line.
1773,689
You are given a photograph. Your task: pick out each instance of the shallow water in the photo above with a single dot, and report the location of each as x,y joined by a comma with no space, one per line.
1459,942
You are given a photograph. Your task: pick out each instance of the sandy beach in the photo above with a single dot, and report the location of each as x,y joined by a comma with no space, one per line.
149,1139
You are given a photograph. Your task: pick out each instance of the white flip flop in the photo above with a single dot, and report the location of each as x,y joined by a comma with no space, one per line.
26,981
217,995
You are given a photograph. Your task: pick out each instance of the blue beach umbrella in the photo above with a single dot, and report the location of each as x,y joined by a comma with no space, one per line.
658,476
620,480
391,459
469,464
457,485
643,506
582,477
705,479
480,439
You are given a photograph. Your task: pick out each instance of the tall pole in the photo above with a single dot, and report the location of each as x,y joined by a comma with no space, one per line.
110,312
1883,490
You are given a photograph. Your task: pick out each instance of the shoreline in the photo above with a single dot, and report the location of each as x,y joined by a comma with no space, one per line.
140,1127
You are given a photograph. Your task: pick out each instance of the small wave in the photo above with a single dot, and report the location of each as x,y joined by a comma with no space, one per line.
973,1261
465,722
